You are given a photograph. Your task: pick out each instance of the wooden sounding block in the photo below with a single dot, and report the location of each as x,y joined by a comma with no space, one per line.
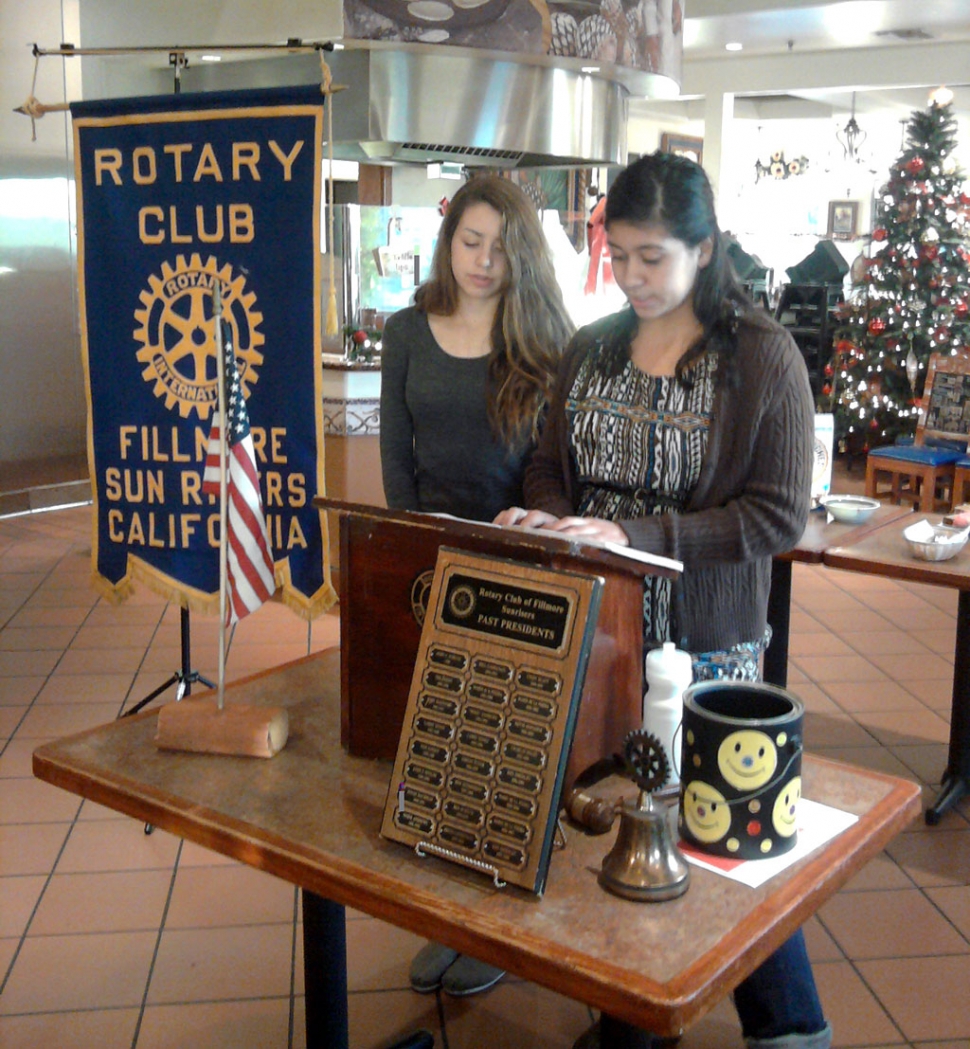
387,561
199,725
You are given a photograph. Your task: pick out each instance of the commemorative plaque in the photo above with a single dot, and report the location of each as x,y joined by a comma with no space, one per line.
490,715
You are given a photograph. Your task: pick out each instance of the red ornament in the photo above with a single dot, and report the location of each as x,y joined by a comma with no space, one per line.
942,334
873,424
960,310
844,346
929,251
879,234
827,391
829,371
359,337
877,326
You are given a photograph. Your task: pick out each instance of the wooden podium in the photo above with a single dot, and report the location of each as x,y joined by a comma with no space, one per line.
387,561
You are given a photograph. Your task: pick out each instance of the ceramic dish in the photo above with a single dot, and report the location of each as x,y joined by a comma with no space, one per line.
850,509
931,542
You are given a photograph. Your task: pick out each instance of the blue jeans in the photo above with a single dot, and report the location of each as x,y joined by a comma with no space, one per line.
779,997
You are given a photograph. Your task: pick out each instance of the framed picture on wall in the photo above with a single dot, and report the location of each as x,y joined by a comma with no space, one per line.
693,148
843,219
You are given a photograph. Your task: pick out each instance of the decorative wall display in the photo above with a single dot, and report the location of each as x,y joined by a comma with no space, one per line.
779,168
843,219
692,148
176,195
642,35
491,713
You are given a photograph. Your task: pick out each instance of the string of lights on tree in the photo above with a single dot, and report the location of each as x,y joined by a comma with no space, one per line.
913,289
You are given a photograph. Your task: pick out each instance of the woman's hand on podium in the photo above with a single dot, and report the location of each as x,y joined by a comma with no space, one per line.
594,528
515,515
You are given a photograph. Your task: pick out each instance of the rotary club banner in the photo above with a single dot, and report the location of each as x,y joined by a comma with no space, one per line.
176,194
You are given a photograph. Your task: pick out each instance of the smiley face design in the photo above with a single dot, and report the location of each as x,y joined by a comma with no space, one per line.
747,759
706,813
784,817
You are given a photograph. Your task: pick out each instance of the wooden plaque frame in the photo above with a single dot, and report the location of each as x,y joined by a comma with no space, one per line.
491,711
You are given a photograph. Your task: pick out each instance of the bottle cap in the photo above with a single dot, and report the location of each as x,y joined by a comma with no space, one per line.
670,658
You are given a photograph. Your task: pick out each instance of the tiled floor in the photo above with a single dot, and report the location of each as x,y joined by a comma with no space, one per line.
110,937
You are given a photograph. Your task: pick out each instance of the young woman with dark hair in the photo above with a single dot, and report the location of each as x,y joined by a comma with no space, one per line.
683,426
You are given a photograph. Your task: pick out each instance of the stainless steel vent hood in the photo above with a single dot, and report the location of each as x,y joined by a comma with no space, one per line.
446,104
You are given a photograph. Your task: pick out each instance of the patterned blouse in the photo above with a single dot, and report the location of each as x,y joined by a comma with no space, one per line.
638,441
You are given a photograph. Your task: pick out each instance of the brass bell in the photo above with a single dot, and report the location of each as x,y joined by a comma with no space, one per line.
644,863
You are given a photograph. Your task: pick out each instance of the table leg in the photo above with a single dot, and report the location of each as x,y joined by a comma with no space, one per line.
779,619
325,972
956,779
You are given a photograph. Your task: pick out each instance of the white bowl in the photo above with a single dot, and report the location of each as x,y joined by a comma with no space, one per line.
931,542
850,509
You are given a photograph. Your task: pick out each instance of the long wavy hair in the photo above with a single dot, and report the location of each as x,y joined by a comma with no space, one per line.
531,326
671,191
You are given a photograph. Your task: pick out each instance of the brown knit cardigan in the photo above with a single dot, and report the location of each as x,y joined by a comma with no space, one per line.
752,497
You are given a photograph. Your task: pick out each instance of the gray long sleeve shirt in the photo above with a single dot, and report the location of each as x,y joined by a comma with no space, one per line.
438,452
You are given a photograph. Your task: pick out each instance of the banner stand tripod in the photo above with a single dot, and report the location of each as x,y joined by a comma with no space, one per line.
183,678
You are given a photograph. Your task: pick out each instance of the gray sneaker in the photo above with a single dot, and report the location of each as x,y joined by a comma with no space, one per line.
469,976
429,965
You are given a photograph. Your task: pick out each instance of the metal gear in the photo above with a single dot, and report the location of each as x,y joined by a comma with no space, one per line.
645,760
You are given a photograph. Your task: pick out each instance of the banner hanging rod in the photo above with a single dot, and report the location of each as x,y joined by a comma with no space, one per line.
294,44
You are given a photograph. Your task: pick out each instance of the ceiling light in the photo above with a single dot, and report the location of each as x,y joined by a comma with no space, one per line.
590,69
734,45
851,137
210,58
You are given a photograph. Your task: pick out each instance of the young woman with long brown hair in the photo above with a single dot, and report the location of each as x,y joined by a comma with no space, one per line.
466,374
467,370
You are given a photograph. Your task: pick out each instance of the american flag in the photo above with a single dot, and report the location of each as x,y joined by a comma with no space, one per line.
249,560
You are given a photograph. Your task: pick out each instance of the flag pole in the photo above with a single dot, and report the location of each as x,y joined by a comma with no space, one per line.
223,494
200,724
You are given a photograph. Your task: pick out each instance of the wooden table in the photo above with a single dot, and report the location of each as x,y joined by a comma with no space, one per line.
884,552
311,815
820,534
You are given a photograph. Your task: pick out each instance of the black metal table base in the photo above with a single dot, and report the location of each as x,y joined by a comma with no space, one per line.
779,619
616,1034
325,978
956,779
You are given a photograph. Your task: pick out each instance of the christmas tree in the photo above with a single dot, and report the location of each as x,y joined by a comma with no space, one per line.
913,289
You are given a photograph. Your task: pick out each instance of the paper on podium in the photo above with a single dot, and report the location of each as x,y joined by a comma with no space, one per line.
615,548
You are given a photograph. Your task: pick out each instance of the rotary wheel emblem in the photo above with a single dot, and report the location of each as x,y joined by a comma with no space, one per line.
420,592
177,332
645,760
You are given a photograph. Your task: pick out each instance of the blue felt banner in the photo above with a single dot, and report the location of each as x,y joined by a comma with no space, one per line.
176,193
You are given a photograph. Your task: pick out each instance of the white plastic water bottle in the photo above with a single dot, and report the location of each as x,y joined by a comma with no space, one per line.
668,673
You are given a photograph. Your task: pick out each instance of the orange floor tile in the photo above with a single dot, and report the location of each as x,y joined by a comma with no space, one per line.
112,937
